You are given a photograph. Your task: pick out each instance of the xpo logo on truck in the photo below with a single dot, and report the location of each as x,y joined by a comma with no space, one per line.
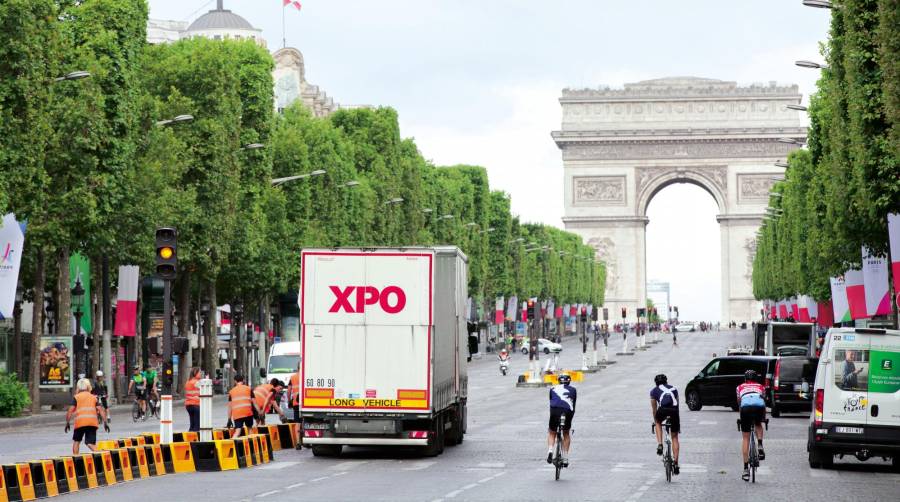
355,299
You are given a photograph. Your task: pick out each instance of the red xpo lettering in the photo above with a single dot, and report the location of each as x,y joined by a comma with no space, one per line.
392,299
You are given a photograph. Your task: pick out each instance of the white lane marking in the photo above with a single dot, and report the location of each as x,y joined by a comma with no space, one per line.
278,465
295,485
266,494
318,479
469,487
346,466
707,422
816,473
643,488
454,493
492,465
419,465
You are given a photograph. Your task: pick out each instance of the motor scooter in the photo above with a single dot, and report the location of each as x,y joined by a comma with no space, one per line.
504,366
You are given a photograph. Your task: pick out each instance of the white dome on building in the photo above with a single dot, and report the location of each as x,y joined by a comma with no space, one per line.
222,24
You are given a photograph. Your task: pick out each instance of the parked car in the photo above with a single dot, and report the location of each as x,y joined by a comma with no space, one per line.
792,384
856,410
717,382
543,345
685,326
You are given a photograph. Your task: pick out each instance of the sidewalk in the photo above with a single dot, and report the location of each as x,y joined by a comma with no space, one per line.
58,417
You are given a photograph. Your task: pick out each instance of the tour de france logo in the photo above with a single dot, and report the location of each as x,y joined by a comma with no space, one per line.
855,403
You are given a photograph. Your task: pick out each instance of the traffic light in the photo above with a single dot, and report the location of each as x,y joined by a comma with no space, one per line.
595,314
530,310
676,311
166,253
583,314
624,312
605,314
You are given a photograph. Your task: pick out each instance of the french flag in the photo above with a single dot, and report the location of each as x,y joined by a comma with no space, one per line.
126,305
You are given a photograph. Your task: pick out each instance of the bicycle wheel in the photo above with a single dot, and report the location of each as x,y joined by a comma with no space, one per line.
557,457
668,464
754,458
135,411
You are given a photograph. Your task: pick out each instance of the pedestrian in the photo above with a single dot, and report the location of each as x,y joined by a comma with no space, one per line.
85,409
264,397
294,398
240,407
192,399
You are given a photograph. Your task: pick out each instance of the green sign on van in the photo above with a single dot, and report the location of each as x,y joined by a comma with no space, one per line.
884,375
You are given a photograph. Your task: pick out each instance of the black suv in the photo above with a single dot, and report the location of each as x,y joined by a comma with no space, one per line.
789,392
716,384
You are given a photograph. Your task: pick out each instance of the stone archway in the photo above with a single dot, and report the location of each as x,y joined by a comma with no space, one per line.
620,147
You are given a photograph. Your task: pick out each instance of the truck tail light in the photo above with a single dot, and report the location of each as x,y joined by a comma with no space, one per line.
820,406
777,373
312,433
417,435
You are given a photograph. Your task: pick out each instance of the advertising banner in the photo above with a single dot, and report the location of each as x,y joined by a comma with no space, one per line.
894,239
795,308
875,278
56,362
839,305
498,310
80,270
12,238
511,308
856,294
126,306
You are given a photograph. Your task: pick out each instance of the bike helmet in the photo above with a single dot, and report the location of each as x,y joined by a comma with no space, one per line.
660,379
750,376
99,374
565,379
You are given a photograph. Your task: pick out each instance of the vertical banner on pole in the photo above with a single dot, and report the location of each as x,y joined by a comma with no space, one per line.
894,238
875,278
498,311
511,308
126,305
12,239
856,294
80,269
795,308
839,304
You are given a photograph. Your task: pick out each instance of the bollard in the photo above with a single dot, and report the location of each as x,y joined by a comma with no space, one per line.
38,481
206,394
286,435
62,477
165,419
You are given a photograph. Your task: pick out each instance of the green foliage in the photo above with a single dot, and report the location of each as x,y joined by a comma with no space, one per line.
836,196
13,396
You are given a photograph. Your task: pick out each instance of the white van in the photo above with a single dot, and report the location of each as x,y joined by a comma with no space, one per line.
283,360
856,397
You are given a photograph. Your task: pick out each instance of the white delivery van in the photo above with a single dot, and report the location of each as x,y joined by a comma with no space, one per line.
856,400
283,360
383,334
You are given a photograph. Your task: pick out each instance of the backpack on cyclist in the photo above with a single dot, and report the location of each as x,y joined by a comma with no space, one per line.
666,397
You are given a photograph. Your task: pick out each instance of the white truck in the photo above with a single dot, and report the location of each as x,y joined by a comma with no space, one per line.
383,334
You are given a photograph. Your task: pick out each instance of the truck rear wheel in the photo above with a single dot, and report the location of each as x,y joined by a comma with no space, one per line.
454,435
435,444
327,450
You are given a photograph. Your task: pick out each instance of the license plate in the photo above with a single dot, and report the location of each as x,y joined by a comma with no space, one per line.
848,430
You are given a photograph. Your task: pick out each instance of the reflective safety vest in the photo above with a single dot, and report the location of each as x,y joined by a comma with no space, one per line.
240,405
192,392
86,410
295,389
261,394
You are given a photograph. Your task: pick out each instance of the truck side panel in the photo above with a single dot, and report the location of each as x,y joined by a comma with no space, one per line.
450,327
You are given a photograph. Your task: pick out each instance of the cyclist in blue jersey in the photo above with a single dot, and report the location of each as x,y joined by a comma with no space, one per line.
663,405
562,402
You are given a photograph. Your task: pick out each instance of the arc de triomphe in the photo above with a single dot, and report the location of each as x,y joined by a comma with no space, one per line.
622,146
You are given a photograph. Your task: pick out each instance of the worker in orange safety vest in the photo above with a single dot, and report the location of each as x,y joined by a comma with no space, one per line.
241,407
264,397
85,409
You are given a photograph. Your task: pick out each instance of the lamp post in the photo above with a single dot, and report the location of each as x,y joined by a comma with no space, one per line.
237,319
280,181
17,332
78,339
75,75
50,308
803,63
204,321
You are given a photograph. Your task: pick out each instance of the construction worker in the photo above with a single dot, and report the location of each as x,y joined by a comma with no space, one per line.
241,407
85,409
192,399
294,396
264,397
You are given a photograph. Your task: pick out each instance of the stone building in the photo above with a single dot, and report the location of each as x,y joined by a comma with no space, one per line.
222,24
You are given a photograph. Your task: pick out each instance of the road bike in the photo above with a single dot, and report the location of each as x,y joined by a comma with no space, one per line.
753,457
136,412
668,461
558,461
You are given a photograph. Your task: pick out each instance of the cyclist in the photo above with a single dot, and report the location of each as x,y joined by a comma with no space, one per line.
753,412
562,402
139,384
150,377
99,389
663,405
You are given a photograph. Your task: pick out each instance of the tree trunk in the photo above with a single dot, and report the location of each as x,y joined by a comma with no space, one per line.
63,289
183,307
211,356
37,329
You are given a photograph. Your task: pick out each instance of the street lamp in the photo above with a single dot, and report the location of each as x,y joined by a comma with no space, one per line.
237,318
471,224
75,75
78,339
175,120
819,4
803,63
520,239
487,230
446,217
253,146
797,107
279,181
427,210
351,184
775,194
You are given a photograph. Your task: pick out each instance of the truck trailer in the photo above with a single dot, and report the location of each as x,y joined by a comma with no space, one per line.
383,344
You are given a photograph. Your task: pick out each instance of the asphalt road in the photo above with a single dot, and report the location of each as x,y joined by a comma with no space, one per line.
503,456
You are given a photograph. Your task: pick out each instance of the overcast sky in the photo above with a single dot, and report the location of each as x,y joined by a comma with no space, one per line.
477,82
